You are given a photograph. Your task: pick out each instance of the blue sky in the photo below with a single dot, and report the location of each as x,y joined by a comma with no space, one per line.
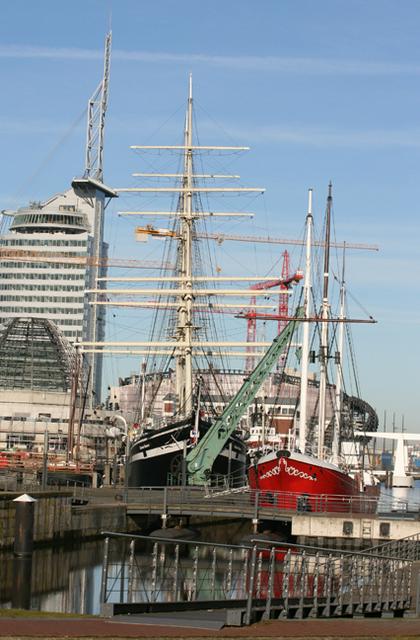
321,91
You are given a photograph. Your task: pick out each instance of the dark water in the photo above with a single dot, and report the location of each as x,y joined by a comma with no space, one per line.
65,579
68,578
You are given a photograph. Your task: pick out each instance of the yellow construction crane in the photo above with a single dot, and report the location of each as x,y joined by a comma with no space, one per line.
141,234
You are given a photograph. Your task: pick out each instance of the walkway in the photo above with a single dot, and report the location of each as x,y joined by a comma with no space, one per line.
315,629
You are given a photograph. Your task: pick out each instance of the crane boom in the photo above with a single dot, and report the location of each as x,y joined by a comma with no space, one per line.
221,237
200,459
141,234
17,255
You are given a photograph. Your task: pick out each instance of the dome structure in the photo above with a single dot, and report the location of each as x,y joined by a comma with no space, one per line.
35,356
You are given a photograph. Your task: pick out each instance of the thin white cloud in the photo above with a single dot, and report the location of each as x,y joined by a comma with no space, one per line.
320,137
282,64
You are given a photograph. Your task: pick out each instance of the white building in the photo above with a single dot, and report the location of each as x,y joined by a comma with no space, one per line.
45,263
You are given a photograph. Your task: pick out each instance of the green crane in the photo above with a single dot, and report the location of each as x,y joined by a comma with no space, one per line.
200,458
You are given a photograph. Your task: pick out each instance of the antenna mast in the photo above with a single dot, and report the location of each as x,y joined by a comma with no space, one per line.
97,107
91,188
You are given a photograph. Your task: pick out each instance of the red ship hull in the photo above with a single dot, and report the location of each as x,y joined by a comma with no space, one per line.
293,481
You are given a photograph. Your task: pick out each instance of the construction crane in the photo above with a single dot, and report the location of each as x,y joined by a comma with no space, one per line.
284,298
221,237
23,255
200,459
149,230
251,315
141,234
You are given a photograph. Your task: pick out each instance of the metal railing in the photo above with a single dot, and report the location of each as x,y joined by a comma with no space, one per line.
260,580
248,499
407,548
184,500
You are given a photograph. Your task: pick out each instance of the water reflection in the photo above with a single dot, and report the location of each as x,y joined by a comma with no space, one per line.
64,578
21,589
401,498
68,578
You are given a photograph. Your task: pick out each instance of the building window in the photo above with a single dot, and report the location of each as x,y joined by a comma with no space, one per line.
57,443
20,441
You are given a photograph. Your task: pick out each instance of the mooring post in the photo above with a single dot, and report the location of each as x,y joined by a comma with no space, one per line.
24,525
22,549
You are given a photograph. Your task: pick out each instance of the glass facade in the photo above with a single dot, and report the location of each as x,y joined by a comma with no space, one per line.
41,287
30,221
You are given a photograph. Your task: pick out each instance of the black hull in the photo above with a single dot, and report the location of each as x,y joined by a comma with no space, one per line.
156,457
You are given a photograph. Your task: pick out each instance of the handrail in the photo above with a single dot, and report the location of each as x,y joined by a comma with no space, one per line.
272,580
274,501
263,545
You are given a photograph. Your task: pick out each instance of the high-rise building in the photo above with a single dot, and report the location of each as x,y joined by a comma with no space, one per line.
54,250
46,262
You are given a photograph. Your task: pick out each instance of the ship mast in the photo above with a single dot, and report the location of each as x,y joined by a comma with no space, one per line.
305,337
323,355
186,286
184,374
339,370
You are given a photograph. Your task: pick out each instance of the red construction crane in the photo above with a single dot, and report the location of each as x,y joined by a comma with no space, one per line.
284,298
252,316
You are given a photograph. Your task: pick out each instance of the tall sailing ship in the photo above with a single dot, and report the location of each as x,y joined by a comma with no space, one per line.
311,476
186,304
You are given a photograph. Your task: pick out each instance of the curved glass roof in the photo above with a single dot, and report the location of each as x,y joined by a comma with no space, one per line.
35,356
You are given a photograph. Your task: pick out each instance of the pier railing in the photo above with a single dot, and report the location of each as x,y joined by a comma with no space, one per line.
254,581
243,502
407,548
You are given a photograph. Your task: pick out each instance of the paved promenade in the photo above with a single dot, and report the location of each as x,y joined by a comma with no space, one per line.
86,628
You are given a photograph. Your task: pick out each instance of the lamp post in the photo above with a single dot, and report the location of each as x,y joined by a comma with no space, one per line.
127,450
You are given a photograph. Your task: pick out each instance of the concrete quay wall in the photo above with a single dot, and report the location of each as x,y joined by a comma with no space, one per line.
351,532
57,519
